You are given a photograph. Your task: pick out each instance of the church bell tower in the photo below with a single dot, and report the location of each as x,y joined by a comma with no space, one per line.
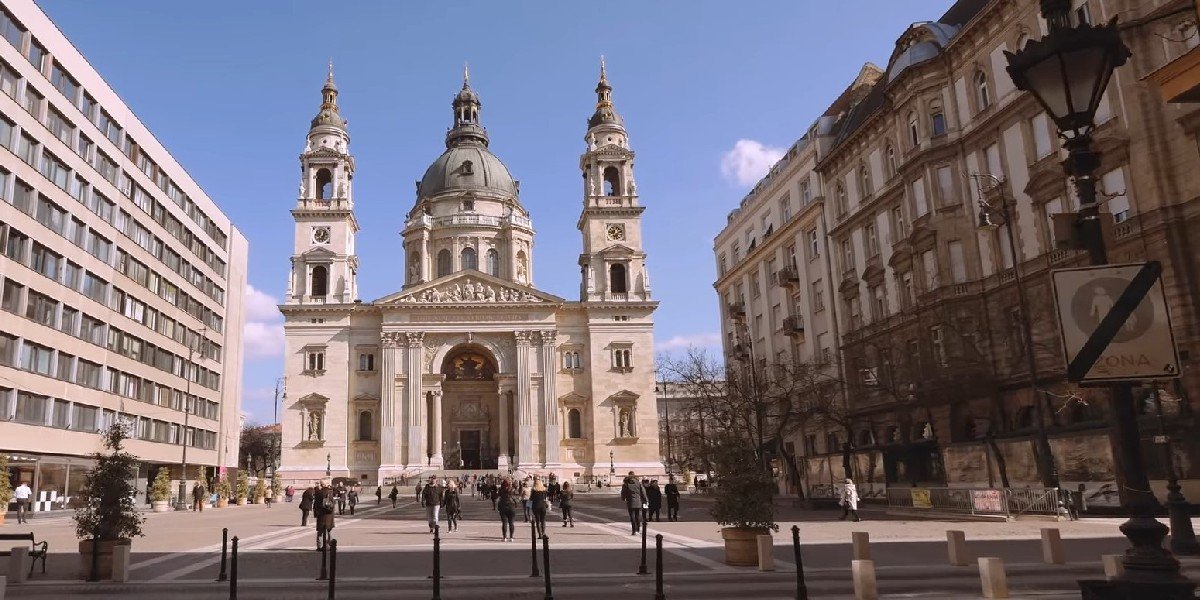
613,262
324,264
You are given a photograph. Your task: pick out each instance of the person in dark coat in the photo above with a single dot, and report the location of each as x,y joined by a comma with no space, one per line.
506,501
634,495
340,493
352,499
538,502
395,493
493,492
450,502
654,500
565,497
379,495
199,494
306,504
324,507
672,493
431,497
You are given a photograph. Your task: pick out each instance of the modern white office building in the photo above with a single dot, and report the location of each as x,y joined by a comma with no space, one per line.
122,280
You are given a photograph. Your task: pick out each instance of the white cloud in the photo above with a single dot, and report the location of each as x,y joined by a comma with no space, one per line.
748,161
683,342
262,336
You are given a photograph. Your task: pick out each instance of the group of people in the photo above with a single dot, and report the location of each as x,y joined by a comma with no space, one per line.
644,499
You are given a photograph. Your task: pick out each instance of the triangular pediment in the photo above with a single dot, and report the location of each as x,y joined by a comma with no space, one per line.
469,287
624,395
619,250
319,252
572,398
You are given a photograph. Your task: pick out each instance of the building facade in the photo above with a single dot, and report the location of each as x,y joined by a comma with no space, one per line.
468,365
122,280
926,176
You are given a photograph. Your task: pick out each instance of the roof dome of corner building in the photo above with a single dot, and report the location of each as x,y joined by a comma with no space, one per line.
467,168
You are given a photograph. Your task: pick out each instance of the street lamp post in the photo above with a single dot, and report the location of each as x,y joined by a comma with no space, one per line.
1045,459
1067,72
189,404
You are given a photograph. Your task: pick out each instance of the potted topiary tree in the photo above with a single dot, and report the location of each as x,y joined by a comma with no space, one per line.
223,491
243,488
6,489
276,488
260,490
742,499
160,491
107,516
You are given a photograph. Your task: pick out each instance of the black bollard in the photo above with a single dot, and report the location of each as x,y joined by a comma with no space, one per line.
642,570
437,563
332,567
658,575
533,530
223,576
546,565
324,572
233,572
801,587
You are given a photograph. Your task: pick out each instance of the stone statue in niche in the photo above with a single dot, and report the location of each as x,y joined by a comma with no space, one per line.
594,187
632,187
300,192
342,189
521,272
314,425
623,422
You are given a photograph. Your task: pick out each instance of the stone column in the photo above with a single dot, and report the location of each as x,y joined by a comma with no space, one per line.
436,398
550,424
506,384
524,457
416,401
426,259
390,411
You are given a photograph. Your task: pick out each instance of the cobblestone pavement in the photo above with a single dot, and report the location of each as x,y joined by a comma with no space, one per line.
385,548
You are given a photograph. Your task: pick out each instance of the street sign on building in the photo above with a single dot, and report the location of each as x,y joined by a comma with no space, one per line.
1114,323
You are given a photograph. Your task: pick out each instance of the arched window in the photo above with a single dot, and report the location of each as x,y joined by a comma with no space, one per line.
467,259
891,160
493,263
612,182
914,132
864,178
574,424
842,206
320,280
414,268
616,279
522,267
937,122
983,95
324,184
364,425
445,263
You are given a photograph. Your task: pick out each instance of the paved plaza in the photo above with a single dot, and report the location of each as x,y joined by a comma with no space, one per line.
381,548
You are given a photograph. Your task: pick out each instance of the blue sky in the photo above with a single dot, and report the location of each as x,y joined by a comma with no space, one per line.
708,90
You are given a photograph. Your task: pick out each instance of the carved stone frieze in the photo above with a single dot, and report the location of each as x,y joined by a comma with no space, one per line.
547,337
469,292
390,339
522,337
415,338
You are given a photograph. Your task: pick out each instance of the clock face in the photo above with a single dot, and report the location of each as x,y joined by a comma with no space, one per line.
321,235
616,232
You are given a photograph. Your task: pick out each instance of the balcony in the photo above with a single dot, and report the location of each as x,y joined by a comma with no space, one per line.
793,326
737,311
788,276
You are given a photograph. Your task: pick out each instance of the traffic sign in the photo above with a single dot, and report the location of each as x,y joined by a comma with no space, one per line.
1114,323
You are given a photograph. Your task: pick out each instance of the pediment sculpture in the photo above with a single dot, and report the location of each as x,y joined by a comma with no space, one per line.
469,291
470,412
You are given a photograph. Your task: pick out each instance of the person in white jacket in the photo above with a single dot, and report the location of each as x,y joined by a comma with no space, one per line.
849,500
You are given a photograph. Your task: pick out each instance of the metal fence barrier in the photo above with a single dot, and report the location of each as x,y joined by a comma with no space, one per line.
1007,502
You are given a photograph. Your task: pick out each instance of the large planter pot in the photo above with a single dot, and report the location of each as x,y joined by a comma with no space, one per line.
105,563
1,517
241,501
222,502
160,505
741,545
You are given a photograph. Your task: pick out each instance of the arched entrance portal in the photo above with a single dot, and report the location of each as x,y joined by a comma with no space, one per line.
465,418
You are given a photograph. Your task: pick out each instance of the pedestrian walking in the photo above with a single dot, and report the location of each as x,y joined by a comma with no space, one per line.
324,507
431,498
421,488
395,493
493,488
379,495
506,499
306,504
849,500
340,493
654,500
539,501
352,499
565,497
22,495
451,503
672,493
634,495
199,494
289,493
553,489
525,498
268,498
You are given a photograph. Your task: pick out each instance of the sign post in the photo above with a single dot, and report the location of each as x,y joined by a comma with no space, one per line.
1114,323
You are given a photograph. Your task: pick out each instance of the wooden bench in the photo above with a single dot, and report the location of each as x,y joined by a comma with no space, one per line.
37,550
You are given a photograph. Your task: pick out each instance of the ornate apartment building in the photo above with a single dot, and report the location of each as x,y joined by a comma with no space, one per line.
919,170
468,365
122,280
